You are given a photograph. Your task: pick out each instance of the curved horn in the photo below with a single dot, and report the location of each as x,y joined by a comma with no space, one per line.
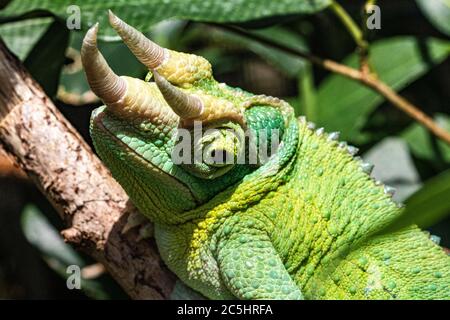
103,81
184,105
147,52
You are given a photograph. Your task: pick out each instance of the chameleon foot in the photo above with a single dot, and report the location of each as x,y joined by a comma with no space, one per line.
137,220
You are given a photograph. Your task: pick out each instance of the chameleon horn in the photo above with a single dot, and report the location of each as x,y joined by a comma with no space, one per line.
147,52
103,81
184,105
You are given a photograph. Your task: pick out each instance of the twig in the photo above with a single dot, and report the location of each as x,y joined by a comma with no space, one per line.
369,81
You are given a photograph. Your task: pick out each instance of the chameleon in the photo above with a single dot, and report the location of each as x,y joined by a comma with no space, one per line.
302,222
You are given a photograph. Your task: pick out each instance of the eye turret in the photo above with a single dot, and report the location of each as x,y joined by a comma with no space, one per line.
212,151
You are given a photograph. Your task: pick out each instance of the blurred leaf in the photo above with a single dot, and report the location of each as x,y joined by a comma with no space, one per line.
421,141
21,36
438,12
427,206
394,167
58,255
45,238
74,88
3,3
144,13
287,63
47,58
307,94
344,105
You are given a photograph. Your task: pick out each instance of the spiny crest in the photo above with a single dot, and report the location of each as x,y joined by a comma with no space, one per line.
389,190
367,167
352,150
333,137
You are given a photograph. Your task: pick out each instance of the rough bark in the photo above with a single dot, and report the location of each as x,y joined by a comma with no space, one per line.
91,203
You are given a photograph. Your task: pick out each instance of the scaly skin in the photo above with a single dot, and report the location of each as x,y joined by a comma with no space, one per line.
305,224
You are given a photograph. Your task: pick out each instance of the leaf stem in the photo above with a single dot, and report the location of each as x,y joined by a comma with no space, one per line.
356,33
349,24
365,63
369,4
370,81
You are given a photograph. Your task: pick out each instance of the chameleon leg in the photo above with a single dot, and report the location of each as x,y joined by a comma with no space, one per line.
252,269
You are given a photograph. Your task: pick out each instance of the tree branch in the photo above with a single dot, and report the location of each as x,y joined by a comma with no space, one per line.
368,80
94,206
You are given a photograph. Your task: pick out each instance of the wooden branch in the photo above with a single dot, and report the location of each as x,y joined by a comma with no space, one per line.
92,204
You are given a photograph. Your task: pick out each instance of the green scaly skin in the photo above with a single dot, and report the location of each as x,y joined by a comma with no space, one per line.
301,226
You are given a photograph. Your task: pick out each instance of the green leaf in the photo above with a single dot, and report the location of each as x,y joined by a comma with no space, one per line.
438,12
344,105
47,58
3,3
74,88
144,13
424,145
307,94
56,253
41,234
21,36
427,206
289,64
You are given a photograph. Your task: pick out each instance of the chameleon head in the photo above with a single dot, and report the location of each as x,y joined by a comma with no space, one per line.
173,143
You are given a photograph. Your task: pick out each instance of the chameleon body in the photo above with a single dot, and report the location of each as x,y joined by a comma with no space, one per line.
300,225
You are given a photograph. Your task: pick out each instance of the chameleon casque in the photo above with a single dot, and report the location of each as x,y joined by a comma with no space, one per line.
301,225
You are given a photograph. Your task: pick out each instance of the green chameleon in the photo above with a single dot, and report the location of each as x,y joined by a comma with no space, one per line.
299,223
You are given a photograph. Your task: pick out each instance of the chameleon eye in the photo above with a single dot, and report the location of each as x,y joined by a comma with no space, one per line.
219,157
216,151
220,147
